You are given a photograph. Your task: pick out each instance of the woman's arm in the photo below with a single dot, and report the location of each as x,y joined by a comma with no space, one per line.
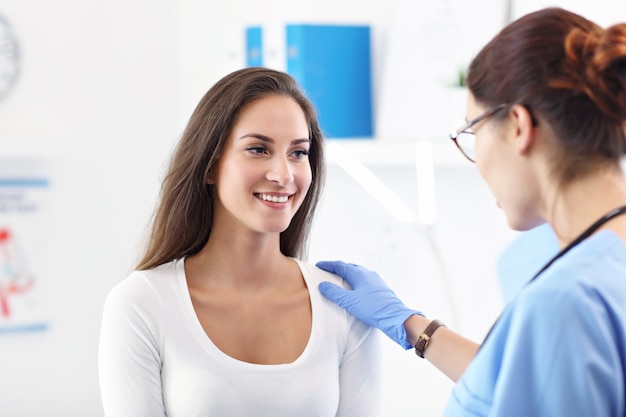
128,358
360,373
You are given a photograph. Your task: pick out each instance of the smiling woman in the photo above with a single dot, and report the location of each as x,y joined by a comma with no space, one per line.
222,314
264,160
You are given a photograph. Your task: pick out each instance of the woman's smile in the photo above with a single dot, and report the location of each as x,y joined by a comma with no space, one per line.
274,198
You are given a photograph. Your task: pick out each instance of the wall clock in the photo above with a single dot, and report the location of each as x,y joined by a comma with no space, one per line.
9,58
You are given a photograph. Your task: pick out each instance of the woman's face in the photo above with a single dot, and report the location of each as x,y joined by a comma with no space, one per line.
508,172
264,172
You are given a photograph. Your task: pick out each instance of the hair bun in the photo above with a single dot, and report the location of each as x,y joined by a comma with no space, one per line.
604,79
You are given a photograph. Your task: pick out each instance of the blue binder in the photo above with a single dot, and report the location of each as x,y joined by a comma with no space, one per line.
254,46
332,64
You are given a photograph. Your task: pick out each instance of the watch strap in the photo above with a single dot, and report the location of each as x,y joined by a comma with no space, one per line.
424,338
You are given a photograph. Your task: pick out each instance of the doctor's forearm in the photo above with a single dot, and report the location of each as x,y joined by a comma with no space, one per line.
447,350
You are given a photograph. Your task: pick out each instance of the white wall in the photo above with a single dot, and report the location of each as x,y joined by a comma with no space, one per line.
95,101
446,270
104,92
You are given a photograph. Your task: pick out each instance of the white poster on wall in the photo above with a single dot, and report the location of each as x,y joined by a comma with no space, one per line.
429,49
24,187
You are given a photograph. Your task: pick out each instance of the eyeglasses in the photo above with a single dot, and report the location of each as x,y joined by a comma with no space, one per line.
464,138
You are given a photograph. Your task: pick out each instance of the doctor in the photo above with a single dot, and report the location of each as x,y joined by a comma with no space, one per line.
546,117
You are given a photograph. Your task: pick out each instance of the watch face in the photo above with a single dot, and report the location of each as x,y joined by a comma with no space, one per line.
9,57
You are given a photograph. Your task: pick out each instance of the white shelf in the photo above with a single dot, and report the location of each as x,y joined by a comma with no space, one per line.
399,153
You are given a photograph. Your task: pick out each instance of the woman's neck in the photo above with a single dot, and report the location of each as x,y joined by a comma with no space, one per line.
245,263
581,203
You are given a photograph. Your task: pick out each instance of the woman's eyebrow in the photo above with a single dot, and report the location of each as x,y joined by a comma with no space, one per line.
265,138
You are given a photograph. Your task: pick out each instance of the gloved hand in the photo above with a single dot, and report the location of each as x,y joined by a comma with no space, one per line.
370,299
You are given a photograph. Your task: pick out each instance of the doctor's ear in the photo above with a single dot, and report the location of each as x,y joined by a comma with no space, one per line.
525,124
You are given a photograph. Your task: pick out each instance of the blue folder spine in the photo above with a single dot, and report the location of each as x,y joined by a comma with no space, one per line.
254,46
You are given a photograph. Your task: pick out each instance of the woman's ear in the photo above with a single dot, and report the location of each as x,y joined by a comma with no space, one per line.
524,128
210,176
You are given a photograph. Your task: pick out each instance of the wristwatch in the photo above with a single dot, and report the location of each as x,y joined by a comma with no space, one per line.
424,338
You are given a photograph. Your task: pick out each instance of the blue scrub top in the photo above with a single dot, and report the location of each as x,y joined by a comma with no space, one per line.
559,348
524,257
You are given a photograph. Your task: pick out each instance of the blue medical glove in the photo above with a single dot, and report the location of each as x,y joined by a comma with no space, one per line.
370,299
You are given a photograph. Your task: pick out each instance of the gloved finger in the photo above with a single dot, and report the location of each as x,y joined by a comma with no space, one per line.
333,292
335,267
351,273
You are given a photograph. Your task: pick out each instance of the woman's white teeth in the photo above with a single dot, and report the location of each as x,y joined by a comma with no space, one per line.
274,198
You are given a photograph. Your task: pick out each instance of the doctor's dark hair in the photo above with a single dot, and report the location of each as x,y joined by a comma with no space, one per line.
568,72
183,219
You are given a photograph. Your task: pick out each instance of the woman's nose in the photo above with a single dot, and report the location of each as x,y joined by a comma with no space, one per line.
280,171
